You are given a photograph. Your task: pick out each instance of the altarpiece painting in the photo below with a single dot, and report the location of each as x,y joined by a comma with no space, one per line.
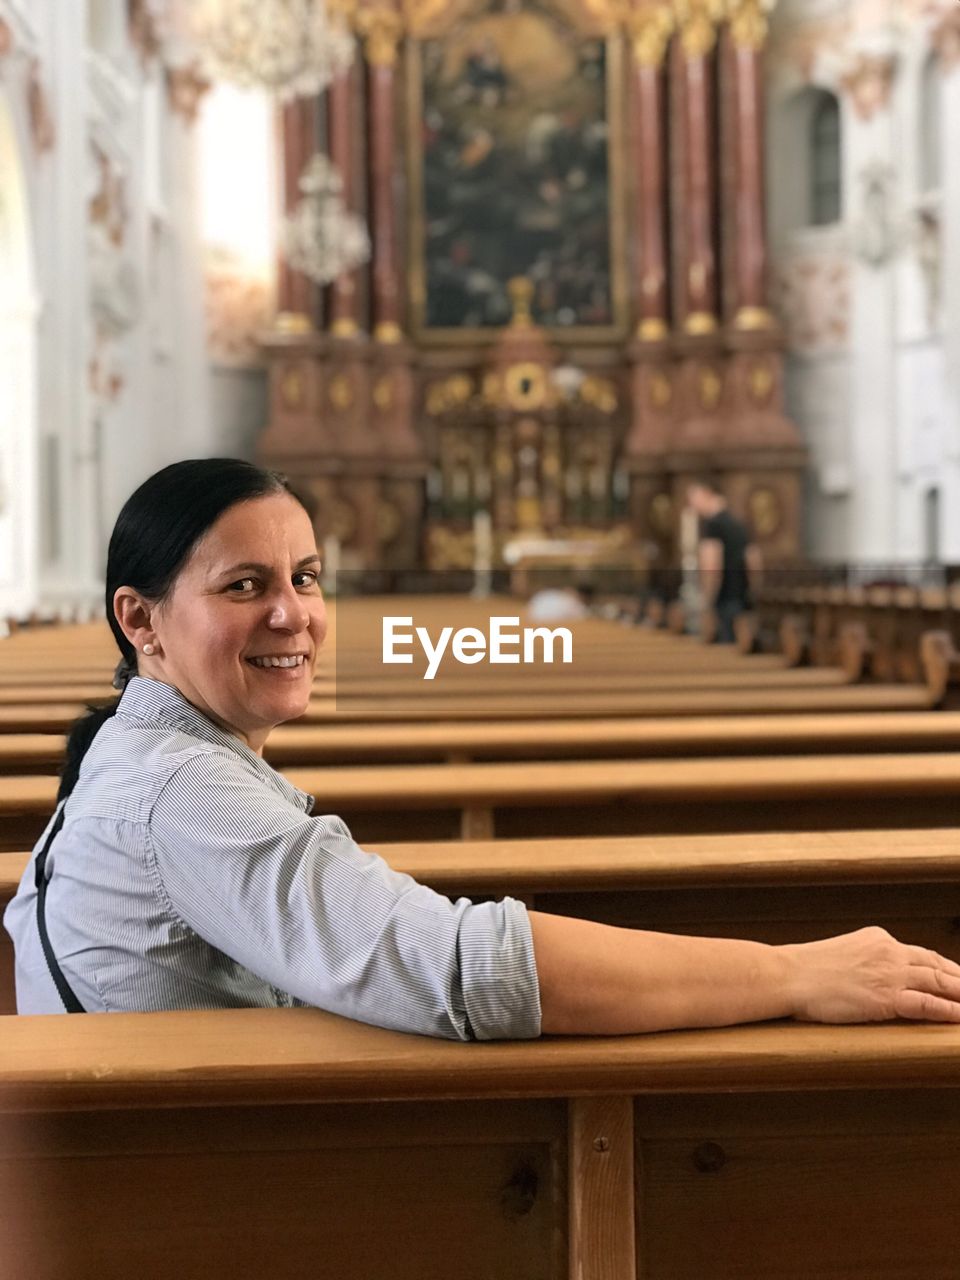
515,171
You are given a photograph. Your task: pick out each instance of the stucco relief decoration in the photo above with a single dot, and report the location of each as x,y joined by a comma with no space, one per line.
868,81
239,307
946,38
42,128
813,300
115,295
876,234
185,89
807,52
143,25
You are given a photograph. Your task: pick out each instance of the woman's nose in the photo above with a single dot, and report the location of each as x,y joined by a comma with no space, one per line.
289,611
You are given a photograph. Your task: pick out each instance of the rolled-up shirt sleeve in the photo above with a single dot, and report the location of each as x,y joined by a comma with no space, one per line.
293,899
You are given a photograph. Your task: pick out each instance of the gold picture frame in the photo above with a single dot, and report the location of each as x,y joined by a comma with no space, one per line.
615,104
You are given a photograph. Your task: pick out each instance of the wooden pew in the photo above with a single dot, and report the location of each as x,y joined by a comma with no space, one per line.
241,1144
59,717
595,797
460,741
774,887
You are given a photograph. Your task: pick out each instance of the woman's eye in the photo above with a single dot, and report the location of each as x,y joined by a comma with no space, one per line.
305,578
242,587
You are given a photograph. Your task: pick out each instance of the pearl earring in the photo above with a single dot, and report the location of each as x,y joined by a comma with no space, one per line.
148,649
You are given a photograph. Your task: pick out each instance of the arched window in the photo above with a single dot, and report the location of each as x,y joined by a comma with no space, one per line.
825,170
930,127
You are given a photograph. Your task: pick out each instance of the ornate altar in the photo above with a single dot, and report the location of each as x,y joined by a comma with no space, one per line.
565,314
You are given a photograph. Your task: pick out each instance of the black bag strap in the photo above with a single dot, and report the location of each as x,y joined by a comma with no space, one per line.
70,1001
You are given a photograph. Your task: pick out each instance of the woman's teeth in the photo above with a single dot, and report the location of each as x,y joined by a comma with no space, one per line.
278,662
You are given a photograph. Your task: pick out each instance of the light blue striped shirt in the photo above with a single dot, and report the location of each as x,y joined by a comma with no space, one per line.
189,875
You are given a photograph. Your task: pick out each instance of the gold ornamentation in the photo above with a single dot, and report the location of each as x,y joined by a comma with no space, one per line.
382,30
451,393
653,329
389,522
388,332
292,322
650,30
766,513
748,22
699,323
525,386
383,394
660,514
761,381
343,520
424,17
527,513
291,387
697,20
600,393
521,294
345,327
753,319
341,392
661,392
711,389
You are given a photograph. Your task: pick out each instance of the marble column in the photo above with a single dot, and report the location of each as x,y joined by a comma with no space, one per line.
344,318
298,299
744,41
694,68
383,28
650,31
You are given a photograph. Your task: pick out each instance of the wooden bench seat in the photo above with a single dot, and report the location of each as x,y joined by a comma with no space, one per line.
585,739
876,699
279,1141
774,887
596,797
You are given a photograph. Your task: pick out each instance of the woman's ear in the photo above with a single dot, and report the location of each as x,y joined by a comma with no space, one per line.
133,612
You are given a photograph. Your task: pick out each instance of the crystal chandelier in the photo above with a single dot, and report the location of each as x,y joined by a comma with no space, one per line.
292,48
321,238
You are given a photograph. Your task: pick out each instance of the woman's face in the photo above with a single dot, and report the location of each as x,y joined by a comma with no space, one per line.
248,593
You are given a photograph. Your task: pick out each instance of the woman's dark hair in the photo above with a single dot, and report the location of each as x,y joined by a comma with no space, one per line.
157,529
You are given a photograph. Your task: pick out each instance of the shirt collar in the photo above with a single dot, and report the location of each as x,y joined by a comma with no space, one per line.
152,700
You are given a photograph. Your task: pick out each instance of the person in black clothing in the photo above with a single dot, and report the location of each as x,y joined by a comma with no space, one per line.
729,562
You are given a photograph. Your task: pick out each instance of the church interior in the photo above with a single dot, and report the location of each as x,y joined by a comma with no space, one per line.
541,263
540,307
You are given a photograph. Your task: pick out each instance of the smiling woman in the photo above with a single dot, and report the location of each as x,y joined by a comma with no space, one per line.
181,871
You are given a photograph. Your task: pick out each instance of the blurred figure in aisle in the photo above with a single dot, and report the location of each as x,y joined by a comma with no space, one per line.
729,563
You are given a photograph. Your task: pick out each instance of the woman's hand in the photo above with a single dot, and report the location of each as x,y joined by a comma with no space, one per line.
869,976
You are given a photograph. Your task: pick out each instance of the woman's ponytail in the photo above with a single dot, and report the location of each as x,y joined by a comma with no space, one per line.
81,735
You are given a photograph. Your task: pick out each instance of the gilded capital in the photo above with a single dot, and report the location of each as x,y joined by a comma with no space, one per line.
650,30
697,22
748,22
381,28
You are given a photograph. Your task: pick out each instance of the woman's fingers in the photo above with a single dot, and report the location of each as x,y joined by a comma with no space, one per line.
923,1006
921,955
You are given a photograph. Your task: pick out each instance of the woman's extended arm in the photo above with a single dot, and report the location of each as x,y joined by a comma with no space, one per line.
598,980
